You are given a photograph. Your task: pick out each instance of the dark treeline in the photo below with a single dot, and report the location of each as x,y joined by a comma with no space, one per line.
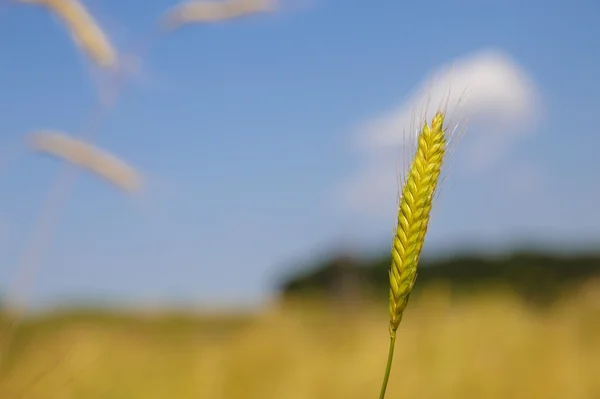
538,277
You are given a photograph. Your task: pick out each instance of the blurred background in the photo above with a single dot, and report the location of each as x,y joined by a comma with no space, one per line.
253,262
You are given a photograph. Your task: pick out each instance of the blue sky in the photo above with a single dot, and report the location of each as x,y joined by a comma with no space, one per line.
253,139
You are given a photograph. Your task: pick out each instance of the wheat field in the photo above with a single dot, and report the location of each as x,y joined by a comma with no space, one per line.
488,346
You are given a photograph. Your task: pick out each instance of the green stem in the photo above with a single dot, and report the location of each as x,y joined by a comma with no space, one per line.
388,367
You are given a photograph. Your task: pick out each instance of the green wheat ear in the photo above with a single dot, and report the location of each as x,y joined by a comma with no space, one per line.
413,218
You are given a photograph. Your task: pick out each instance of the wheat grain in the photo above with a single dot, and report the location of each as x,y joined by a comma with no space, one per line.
213,11
88,156
83,28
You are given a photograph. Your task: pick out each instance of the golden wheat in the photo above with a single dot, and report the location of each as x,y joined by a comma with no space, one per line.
88,156
83,28
413,218
213,11
413,215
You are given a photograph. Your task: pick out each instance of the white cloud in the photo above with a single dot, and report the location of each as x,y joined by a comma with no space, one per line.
488,90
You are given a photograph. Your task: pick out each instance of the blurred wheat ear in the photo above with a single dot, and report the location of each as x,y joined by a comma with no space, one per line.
199,11
83,28
87,156
413,218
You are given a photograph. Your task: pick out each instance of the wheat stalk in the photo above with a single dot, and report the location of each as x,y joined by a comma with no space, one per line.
83,155
80,154
413,218
84,29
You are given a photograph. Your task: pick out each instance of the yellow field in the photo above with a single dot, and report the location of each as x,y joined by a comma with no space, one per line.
489,347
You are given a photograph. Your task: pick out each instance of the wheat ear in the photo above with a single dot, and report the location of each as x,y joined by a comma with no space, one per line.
196,11
413,217
84,30
88,156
